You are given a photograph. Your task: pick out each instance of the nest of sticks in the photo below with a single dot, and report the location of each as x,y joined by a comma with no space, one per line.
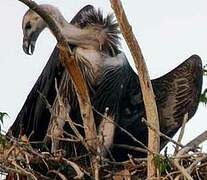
19,160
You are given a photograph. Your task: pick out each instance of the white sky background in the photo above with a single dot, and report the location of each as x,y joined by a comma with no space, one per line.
168,32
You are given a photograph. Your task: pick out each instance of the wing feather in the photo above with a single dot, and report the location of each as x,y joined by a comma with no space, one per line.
184,85
177,93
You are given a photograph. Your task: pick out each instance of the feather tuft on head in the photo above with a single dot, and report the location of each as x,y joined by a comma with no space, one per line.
108,25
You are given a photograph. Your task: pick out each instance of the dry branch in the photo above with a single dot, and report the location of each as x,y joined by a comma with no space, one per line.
180,167
177,143
182,130
145,83
198,140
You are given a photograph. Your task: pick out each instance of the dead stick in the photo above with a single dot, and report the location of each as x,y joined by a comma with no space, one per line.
181,168
161,134
198,140
124,130
23,170
145,83
182,130
77,169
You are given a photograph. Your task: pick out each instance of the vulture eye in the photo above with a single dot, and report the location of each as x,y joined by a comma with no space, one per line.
28,26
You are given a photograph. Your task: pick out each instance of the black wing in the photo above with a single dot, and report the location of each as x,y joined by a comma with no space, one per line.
34,115
177,93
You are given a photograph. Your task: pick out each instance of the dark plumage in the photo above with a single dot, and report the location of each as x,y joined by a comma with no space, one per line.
177,93
117,87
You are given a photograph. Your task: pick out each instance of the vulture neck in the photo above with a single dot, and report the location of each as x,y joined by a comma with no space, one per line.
89,38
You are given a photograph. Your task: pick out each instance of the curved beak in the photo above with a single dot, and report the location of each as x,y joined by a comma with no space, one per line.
28,45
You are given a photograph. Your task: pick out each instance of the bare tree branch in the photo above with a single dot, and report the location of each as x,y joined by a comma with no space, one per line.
161,134
198,140
145,83
77,169
182,130
181,168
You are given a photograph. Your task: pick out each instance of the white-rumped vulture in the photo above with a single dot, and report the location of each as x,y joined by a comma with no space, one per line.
117,87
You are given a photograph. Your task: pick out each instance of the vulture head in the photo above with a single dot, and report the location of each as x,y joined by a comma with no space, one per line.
33,25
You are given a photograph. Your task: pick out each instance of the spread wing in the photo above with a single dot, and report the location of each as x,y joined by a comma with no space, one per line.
177,93
34,114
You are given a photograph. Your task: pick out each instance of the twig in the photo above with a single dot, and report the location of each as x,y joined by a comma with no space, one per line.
77,169
161,134
192,166
145,83
57,121
125,131
198,140
169,175
58,173
23,170
134,148
185,156
181,168
182,130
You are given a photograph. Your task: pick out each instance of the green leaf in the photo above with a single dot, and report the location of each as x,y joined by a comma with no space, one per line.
162,163
2,114
2,141
203,97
